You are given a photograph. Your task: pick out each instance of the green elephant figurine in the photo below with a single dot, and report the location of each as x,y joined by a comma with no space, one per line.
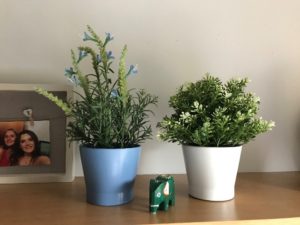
161,193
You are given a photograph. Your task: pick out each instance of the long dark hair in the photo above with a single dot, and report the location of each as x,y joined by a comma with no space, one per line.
18,152
3,141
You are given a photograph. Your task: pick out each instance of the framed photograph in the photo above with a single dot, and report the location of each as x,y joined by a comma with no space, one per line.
33,145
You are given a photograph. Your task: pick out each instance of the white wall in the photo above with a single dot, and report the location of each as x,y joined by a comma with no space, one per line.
41,128
172,41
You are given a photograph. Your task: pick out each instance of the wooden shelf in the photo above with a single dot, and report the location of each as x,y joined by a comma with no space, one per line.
258,196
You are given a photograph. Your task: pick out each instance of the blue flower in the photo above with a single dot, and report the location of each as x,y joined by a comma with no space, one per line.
74,79
87,37
82,54
109,55
133,70
114,93
71,75
109,37
99,58
69,72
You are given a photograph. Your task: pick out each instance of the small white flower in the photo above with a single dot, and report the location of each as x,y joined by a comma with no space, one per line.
228,95
186,86
271,124
196,104
158,135
185,115
257,99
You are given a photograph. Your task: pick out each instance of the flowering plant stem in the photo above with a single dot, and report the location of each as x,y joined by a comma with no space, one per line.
107,114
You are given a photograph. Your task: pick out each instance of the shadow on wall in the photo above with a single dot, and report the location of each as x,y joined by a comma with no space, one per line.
279,149
296,155
285,110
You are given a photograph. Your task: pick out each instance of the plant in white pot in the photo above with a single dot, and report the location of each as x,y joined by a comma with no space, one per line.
212,121
108,120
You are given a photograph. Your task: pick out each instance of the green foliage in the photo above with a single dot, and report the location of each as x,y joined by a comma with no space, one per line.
210,113
107,114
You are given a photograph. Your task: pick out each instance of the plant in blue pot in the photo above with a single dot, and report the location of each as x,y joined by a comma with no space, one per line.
109,121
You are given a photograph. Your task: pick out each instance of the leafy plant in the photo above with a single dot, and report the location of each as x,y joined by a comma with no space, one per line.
210,113
107,114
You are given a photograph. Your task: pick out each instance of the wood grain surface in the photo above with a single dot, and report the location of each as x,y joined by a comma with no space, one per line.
258,196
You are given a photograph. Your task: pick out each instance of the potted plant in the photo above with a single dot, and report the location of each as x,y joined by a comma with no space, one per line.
212,121
107,119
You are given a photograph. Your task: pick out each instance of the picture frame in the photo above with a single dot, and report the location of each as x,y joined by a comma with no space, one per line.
18,99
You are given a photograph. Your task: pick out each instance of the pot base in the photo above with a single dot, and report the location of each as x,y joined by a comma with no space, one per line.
212,195
109,199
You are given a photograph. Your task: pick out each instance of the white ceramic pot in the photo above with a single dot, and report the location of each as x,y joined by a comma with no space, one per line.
211,171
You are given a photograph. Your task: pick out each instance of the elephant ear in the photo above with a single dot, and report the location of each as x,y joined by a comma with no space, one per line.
166,190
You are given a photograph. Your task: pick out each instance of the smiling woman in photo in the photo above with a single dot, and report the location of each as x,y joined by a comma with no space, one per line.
27,151
9,141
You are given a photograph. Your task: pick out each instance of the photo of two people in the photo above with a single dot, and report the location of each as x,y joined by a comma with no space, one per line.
24,143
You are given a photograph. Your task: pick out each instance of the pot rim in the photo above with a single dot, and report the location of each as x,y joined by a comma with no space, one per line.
108,149
212,146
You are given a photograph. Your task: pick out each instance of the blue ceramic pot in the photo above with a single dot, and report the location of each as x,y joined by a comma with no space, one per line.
109,174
